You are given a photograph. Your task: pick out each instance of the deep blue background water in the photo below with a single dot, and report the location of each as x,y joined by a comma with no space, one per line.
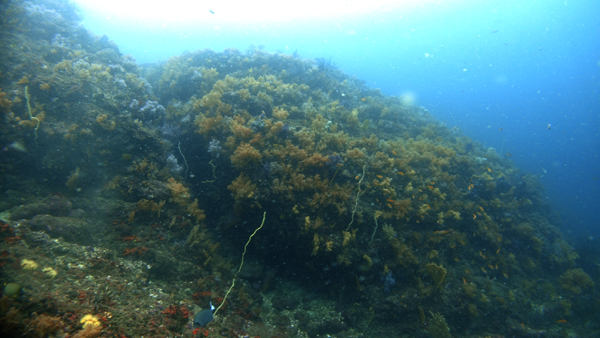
502,71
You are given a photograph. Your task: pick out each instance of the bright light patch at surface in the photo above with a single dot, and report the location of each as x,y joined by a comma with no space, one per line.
153,31
236,11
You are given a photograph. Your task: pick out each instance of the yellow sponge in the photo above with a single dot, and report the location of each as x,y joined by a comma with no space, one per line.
28,264
89,320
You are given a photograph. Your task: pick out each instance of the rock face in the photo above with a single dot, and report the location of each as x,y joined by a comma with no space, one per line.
70,229
27,211
54,205
55,216
281,303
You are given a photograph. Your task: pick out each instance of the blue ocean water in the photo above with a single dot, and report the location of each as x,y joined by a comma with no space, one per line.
522,77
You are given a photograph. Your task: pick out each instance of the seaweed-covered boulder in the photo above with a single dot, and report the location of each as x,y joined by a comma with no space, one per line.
54,205
59,205
27,211
72,230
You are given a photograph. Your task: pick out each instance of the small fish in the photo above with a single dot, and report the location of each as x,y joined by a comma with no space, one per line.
562,321
379,176
500,129
549,126
204,317
18,146
363,99
495,31
389,205
211,11
456,259
481,208
474,216
505,275
491,266
393,152
508,154
390,200
464,281
430,187
401,173
442,232
498,251
489,169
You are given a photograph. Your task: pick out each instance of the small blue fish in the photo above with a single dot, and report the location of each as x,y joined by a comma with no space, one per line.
211,11
204,317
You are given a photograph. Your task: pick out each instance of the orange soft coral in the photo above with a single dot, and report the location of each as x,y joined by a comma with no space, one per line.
180,193
242,188
244,155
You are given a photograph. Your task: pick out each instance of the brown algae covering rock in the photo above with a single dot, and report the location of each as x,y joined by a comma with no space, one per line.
139,186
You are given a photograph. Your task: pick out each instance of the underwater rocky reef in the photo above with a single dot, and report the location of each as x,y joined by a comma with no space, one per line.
132,194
